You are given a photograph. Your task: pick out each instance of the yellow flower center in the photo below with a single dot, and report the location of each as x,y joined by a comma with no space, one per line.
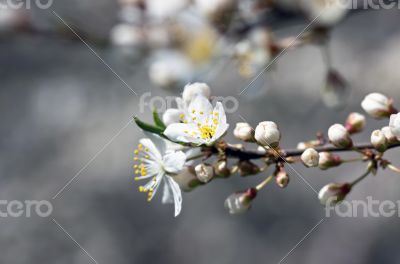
207,132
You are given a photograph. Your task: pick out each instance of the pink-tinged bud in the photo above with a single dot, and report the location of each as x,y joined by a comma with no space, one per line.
282,178
240,202
244,131
378,140
310,157
390,137
395,125
355,123
187,179
267,134
339,136
247,168
333,193
204,172
328,160
378,105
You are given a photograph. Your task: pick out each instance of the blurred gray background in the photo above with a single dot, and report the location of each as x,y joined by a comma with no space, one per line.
60,106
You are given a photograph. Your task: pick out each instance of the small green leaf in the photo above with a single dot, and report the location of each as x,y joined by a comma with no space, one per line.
157,120
148,127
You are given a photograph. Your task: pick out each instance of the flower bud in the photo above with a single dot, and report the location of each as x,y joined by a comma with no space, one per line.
261,150
191,90
310,157
355,123
267,134
204,172
378,140
244,131
221,169
339,136
187,179
395,125
378,105
247,168
171,116
240,202
333,193
282,178
390,137
328,160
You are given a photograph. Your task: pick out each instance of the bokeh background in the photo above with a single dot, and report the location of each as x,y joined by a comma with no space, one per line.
60,106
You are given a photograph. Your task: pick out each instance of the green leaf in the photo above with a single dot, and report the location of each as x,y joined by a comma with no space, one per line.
157,120
149,128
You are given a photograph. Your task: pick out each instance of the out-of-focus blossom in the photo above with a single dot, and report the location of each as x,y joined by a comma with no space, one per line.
254,52
325,12
170,69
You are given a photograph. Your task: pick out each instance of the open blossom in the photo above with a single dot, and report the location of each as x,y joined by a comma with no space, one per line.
267,134
339,136
155,162
202,125
377,105
395,125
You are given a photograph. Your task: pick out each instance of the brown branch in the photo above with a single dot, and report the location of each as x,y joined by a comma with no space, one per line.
251,154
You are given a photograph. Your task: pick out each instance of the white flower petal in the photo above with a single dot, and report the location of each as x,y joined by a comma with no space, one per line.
167,197
182,133
176,192
199,109
174,162
153,152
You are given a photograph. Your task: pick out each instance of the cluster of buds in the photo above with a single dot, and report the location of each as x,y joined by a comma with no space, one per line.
189,125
